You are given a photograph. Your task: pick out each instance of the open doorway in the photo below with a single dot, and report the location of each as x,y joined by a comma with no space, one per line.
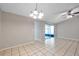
49,31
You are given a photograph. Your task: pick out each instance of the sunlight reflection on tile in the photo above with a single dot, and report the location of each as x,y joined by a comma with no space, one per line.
50,42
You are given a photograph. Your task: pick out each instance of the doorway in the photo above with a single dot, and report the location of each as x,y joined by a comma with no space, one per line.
49,31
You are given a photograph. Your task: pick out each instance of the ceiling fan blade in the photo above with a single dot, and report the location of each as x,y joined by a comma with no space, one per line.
76,13
62,14
68,14
74,10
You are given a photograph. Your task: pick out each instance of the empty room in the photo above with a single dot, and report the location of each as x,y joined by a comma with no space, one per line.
39,29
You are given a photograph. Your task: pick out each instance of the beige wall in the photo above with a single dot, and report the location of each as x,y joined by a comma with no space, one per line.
0,25
68,29
1,41
15,30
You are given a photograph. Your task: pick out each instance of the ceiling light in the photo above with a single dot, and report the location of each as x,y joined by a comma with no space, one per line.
41,14
35,14
69,16
31,14
34,17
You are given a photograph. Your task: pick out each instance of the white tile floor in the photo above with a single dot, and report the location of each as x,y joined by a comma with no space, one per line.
51,47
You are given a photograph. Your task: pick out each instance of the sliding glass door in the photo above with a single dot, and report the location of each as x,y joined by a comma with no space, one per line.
49,31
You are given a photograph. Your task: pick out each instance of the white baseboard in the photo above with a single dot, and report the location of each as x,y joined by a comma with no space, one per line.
16,46
21,44
68,38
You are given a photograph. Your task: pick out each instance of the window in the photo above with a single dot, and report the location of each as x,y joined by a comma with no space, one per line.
49,31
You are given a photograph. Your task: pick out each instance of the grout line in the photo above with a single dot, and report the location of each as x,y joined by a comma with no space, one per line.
18,51
61,47
68,48
25,51
16,46
76,48
47,51
11,51
42,52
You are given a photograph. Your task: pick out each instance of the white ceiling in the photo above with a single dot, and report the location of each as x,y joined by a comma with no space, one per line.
51,10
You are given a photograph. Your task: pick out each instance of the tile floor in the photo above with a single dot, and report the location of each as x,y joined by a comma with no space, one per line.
58,47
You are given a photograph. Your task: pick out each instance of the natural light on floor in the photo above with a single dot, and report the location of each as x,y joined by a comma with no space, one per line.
49,35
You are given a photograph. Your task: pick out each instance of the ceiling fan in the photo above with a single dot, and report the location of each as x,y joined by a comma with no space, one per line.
70,13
